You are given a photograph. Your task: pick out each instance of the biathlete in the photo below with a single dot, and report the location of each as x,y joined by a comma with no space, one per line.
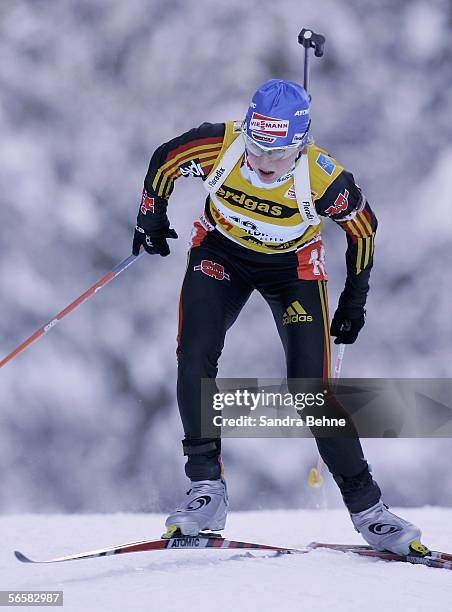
269,187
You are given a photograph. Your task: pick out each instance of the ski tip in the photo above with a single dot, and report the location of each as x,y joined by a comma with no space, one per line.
21,557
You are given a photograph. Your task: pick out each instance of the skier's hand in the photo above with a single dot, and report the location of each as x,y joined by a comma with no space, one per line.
152,242
345,328
153,227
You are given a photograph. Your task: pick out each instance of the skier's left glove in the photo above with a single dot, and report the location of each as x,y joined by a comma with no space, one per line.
153,227
346,328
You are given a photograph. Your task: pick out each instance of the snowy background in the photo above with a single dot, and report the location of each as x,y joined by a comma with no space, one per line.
88,89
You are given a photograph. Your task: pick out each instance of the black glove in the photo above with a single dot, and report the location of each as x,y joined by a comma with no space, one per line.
153,227
346,328
153,242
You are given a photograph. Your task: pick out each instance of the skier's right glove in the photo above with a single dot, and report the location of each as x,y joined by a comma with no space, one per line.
153,227
152,242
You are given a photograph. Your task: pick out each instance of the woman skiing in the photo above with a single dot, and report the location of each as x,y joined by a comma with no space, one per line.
269,188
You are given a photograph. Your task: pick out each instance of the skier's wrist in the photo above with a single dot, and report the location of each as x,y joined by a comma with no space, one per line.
351,305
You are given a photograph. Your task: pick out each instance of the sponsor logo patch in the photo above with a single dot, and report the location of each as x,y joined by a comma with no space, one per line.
306,204
269,125
221,220
248,225
191,168
213,269
266,208
263,137
216,177
147,203
311,261
317,261
340,204
384,528
199,502
295,313
298,137
325,163
274,247
290,193
206,223
254,230
284,177
301,112
50,325
182,542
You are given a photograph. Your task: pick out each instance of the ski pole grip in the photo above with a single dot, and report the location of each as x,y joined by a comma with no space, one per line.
311,40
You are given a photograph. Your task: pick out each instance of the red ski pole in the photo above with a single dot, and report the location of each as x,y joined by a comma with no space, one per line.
123,265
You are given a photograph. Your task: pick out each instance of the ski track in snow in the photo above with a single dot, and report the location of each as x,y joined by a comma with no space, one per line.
226,580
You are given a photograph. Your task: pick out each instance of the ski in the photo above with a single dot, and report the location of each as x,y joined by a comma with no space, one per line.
433,558
363,547
214,541
175,542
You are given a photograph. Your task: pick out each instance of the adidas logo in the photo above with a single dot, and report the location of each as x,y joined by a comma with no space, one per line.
296,314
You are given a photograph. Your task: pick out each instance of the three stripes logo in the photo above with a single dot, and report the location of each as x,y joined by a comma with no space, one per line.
295,313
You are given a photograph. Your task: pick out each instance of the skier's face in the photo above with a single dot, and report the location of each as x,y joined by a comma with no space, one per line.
269,169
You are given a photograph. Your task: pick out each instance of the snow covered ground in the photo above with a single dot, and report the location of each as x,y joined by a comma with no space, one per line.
223,580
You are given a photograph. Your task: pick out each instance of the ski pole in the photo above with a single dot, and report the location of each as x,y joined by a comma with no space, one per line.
338,362
123,265
315,478
310,40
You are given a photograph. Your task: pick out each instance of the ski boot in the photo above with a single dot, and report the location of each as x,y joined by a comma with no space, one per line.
384,530
205,508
